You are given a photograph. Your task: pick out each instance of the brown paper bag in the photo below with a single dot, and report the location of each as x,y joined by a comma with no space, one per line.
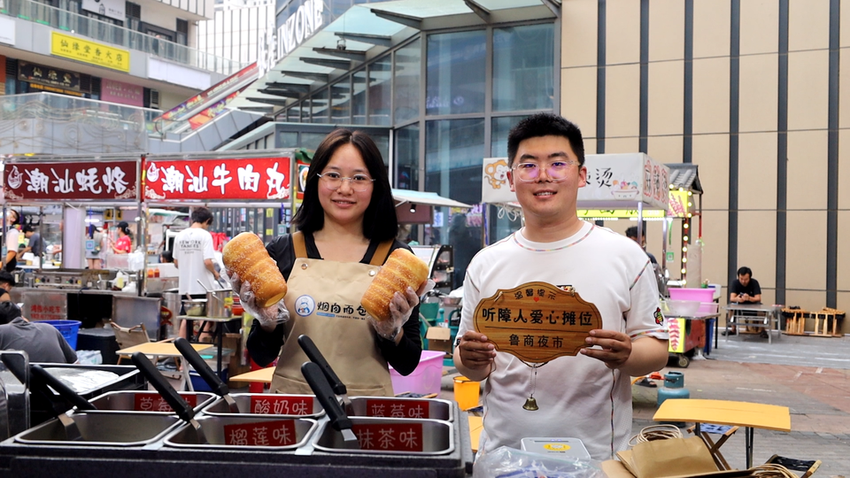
673,458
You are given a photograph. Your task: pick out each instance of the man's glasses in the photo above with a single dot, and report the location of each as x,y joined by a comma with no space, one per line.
334,180
555,171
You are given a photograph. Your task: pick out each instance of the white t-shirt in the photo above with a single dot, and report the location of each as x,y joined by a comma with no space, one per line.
12,239
575,395
191,247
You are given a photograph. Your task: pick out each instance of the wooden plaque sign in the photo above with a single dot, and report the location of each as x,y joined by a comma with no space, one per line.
536,321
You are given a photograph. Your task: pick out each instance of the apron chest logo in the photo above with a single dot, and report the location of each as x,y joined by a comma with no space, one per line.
305,305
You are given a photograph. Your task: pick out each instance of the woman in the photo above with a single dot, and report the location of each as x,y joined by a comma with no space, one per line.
13,220
124,243
93,256
347,226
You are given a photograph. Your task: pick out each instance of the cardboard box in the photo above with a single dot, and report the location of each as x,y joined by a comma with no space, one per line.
439,338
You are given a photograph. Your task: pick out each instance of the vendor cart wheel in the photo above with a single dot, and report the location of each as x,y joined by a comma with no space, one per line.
684,361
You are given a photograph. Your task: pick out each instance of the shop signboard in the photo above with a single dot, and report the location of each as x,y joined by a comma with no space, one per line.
79,180
231,179
48,76
93,53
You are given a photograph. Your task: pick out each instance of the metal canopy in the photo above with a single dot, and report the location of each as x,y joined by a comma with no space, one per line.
366,31
685,176
425,198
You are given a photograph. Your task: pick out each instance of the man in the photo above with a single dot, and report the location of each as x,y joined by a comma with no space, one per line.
35,244
7,281
41,342
193,257
588,395
632,233
745,290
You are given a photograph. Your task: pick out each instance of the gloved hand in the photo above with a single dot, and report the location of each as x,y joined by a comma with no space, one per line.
400,308
269,317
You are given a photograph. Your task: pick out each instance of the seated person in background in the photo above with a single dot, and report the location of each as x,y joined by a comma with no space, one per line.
7,281
744,290
42,342
166,257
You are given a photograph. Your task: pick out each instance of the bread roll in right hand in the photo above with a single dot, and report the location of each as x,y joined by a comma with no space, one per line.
246,255
402,270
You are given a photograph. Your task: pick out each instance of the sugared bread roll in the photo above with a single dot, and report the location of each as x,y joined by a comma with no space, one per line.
246,255
401,270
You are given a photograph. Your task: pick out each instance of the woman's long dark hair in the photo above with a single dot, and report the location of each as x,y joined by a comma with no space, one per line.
379,221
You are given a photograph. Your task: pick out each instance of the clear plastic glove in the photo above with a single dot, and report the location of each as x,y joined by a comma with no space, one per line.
400,308
269,317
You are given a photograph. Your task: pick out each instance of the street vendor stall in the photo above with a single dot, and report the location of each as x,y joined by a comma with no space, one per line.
77,184
246,191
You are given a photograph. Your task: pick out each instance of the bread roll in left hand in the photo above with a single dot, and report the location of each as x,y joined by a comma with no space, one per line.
246,255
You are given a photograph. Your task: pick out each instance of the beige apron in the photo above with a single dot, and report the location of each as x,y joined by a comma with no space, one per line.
323,300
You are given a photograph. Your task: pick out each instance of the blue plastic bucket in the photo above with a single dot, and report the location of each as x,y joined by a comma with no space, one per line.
68,329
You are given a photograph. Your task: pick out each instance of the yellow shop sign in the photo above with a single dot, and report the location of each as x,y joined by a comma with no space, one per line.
89,52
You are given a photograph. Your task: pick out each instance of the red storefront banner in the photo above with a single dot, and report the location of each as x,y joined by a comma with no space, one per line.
253,179
90,180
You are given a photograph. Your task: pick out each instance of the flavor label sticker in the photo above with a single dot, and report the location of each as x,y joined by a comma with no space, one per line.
389,436
398,408
282,405
265,433
153,402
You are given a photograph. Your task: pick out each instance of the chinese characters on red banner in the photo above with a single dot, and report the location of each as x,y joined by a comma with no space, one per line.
78,180
237,179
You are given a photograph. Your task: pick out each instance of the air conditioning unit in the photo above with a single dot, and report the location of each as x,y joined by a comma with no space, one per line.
154,99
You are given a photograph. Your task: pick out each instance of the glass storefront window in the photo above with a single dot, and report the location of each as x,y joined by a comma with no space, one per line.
312,141
380,91
500,127
455,73
320,106
358,97
341,102
288,139
407,158
454,151
408,61
523,67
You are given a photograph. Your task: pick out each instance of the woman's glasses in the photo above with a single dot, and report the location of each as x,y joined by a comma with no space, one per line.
555,171
334,180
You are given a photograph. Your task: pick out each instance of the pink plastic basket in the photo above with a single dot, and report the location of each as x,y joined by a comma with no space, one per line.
705,296
425,379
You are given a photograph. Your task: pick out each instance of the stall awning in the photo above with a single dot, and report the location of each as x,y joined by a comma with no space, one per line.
425,198
685,176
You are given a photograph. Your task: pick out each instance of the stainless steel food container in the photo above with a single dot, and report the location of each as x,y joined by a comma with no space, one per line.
244,402
402,407
103,429
151,402
437,437
213,427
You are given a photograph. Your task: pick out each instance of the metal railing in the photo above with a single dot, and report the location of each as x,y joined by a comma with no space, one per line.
48,123
115,35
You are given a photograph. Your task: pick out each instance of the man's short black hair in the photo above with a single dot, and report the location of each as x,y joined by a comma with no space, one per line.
545,124
745,271
7,278
8,312
202,215
631,232
27,228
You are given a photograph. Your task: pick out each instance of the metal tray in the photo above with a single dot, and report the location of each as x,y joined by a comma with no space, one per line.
397,407
128,377
103,429
213,428
125,401
243,401
437,437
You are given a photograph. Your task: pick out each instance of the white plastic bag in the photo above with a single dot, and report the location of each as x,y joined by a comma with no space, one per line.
506,462
91,357
136,260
